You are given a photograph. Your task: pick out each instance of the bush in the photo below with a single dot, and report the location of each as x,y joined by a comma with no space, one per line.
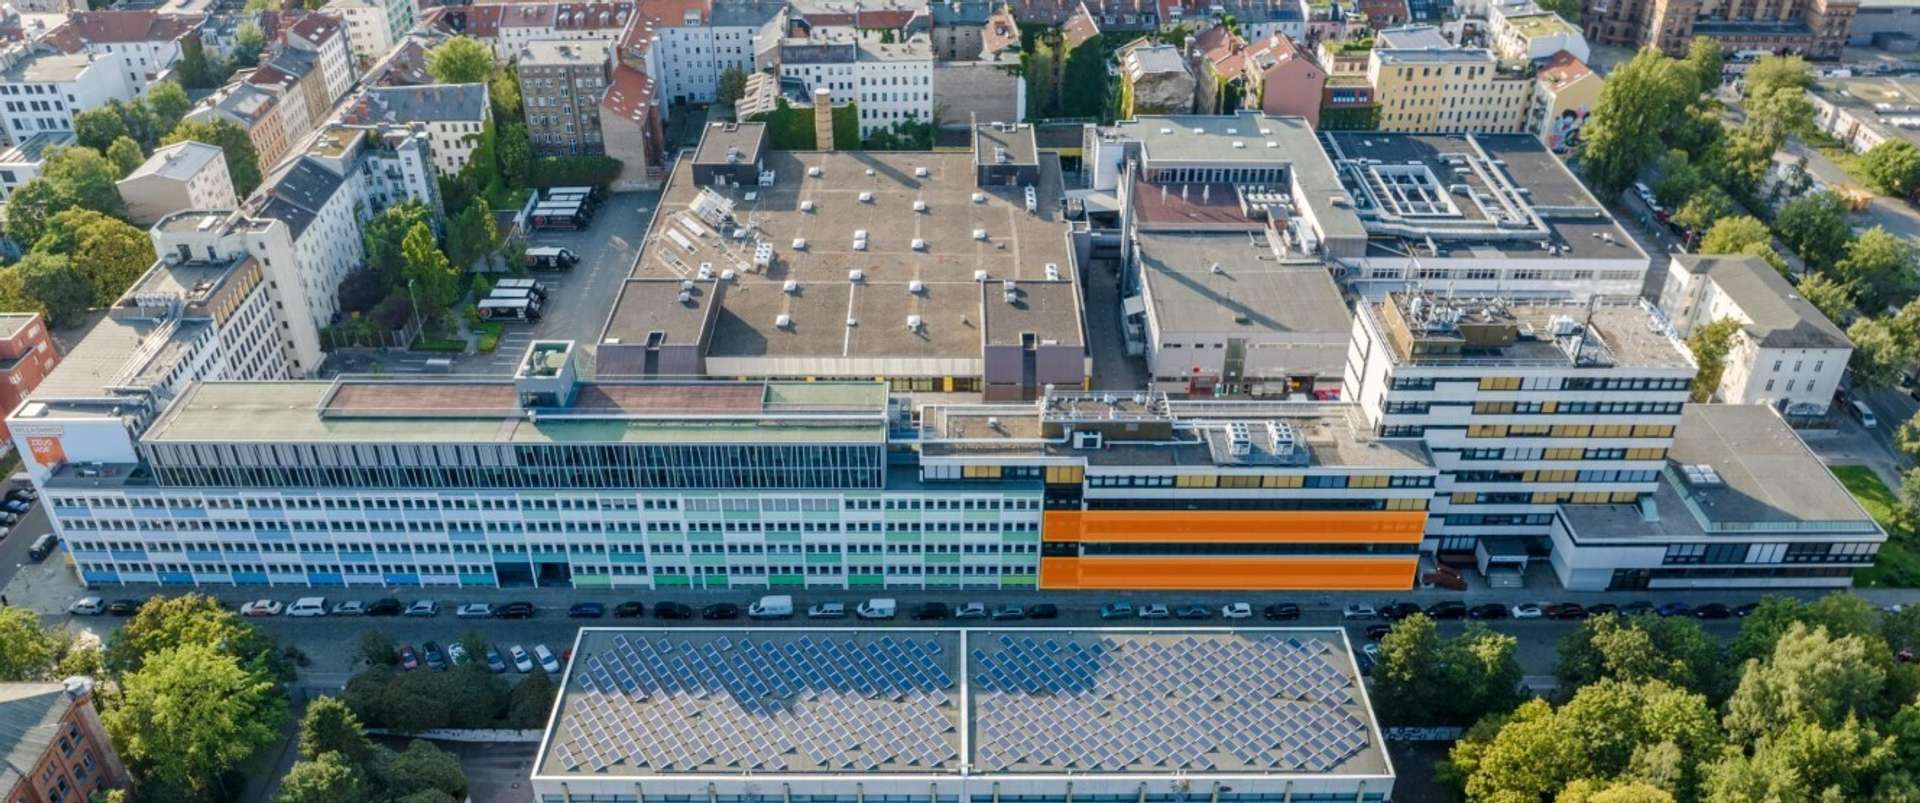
362,290
488,335
394,312
569,171
426,342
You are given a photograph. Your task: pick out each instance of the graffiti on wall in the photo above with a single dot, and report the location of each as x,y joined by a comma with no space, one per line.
1563,131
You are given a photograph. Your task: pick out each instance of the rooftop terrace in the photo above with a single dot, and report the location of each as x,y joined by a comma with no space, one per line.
1429,329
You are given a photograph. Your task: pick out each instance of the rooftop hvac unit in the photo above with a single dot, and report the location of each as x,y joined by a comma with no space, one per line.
913,323
790,286
1011,297
782,321
1053,272
866,197
1083,439
859,234
686,297
1239,145
763,254
814,171
799,243
920,172
919,244
1562,326
1239,439
1000,156
767,178
919,206
1165,130
706,271
869,171
916,287
979,275
853,322
979,234
1008,285
859,245
806,206
686,286
979,197
1033,201
856,275
726,275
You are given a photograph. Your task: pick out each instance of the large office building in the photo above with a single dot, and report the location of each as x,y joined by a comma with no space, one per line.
838,715
1817,29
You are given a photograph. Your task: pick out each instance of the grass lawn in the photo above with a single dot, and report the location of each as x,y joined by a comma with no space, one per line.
1898,565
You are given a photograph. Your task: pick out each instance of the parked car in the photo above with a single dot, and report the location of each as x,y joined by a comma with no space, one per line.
456,653
1359,611
1567,611
261,607
1378,632
9,519
629,610
1236,610
1675,609
436,660
1713,610
1447,610
1117,610
385,607
123,607
1008,613
514,610
586,610
1044,610
16,506
409,660
1396,611
931,612
1193,612
1491,610
495,663
23,494
423,608
87,606
832,610
1529,610
42,547
474,610
308,606
971,610
1154,612
1281,612
672,610
547,661
720,611
522,662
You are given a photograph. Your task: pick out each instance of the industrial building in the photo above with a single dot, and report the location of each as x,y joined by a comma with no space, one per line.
963,715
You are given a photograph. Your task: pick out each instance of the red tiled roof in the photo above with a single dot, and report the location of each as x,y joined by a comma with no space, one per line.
105,27
1563,68
315,27
1277,50
629,95
1079,26
883,18
1002,32
1223,48
1383,12
527,15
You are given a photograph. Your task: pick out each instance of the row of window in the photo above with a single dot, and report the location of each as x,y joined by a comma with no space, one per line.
1262,481
1546,383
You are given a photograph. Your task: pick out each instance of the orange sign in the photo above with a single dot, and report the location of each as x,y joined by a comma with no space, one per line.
47,450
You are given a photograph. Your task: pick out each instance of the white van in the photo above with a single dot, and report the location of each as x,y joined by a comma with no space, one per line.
876,609
775,606
1865,414
308,606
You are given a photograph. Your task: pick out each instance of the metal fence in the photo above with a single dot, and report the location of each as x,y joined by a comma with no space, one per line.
339,337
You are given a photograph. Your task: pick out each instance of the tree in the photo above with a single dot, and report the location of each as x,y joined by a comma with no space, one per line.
1879,356
1434,680
1841,615
328,778
733,85
1704,61
125,156
1637,649
1815,227
1831,298
515,152
1678,179
193,69
433,278
243,162
504,91
30,648
84,178
1708,205
1637,104
1880,267
1710,344
192,619
460,60
1608,730
419,768
331,727
98,127
383,234
1733,234
248,41
108,251
1810,677
472,234
530,702
1803,761
377,649
1893,167
167,105
50,283
1773,74
190,714
1586,791
29,207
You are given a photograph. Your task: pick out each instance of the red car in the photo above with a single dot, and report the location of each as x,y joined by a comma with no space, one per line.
409,660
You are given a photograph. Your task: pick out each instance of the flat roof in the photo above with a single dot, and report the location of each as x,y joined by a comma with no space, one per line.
1892,101
49,68
564,52
827,313
118,353
1116,702
720,138
12,322
486,411
1619,333
1230,281
1017,139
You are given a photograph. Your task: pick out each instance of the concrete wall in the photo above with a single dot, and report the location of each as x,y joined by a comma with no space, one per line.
977,90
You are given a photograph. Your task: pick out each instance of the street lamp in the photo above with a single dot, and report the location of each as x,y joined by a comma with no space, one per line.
416,306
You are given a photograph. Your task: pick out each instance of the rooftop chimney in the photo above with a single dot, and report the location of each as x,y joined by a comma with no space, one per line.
823,118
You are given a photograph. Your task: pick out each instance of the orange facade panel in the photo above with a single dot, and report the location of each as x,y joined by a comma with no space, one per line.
1235,526
1220,574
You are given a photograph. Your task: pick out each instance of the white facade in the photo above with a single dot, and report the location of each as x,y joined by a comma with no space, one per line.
1785,353
885,91
42,92
1523,31
143,62
326,37
187,175
373,26
24,161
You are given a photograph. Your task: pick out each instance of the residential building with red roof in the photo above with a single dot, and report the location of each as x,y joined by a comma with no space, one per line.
149,42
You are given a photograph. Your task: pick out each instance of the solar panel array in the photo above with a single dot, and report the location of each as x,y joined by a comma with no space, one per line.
720,704
1233,702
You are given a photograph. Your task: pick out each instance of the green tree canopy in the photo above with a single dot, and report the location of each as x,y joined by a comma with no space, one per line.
327,778
1678,179
329,726
1880,267
530,701
1610,730
243,162
1707,206
1893,167
1637,649
190,714
733,85
196,619
1841,614
108,251
48,283
1833,300
383,234
193,68
1636,106
1710,344
30,649
1771,74
29,207
1704,61
504,91
460,60
167,104
98,127
421,768
1810,677
1815,227
1879,356
434,279
1423,678
1734,234
126,156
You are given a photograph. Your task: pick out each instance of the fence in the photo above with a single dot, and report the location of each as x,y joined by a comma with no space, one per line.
346,337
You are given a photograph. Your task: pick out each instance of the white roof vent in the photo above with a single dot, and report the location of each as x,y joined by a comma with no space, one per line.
783,321
920,172
859,234
1239,144
869,171
913,323
919,206
726,275
856,275
799,243
916,287
1007,285
859,245
686,297
1053,272
979,234
790,286
814,171
853,322
686,286
919,244
866,197
1165,130
979,275
979,197
806,206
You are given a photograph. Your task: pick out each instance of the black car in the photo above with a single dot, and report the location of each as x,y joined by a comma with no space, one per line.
1566,611
386,606
1045,610
1604,607
1377,632
123,607
932,612
1447,610
1396,611
1713,610
672,610
718,610
1491,610
629,610
586,610
1742,610
1282,612
514,610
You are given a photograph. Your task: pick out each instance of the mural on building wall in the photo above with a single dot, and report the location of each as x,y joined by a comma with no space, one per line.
1563,133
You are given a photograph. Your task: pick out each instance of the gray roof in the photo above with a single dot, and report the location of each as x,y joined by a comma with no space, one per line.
30,715
1228,281
31,148
1781,318
298,196
433,103
179,161
1413,36
1159,59
744,14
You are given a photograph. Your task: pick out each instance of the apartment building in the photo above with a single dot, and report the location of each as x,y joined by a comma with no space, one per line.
261,112
1274,75
1817,29
1525,406
24,161
324,37
41,91
694,43
53,747
886,72
561,86
1443,88
374,26
1154,80
1741,502
178,177
1565,91
383,164
454,114
1785,354
149,43
1521,31
27,354
631,120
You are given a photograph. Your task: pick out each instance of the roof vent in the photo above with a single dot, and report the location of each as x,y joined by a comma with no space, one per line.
916,287
686,297
920,172
1053,272
686,286
806,206
1165,130
799,243
790,286
853,322
980,234
869,171
979,275
856,275
866,197
913,323
783,321
979,197
814,171
919,206
919,244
